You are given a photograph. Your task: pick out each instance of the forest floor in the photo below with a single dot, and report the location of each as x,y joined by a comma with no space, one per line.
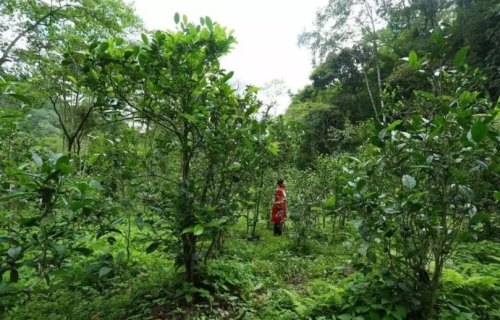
270,278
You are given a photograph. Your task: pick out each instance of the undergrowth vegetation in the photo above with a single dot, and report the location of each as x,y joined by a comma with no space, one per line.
269,279
137,181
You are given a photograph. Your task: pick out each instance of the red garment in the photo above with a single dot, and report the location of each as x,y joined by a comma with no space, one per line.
279,207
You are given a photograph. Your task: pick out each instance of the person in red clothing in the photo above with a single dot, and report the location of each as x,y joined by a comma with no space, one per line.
279,208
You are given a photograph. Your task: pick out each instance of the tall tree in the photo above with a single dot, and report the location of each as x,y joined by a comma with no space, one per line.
341,23
174,80
37,26
43,32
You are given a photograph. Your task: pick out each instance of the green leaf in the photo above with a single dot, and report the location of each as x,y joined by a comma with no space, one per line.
413,60
198,229
460,56
5,289
330,202
273,148
216,223
104,271
409,181
11,116
9,240
428,95
111,240
258,286
127,54
209,23
362,309
188,297
438,38
467,98
38,160
30,221
84,251
11,171
228,76
160,37
478,131
177,18
14,275
152,247
189,117
77,205
103,47
372,256
82,187
16,195
119,41
382,134
466,192
144,38
47,278
188,230
54,157
496,195
479,217
464,117
139,222
15,253
393,125
72,79
20,97
94,74
400,312
95,184
62,164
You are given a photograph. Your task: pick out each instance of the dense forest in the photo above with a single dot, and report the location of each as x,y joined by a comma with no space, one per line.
137,181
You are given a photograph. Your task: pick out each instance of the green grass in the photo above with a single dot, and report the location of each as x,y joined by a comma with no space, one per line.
265,279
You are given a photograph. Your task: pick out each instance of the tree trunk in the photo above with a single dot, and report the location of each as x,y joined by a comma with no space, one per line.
71,142
439,259
256,217
186,216
375,54
189,251
374,106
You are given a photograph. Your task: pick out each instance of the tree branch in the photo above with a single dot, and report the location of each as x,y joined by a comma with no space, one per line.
23,33
65,131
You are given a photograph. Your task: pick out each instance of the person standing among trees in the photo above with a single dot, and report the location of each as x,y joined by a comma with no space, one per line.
279,208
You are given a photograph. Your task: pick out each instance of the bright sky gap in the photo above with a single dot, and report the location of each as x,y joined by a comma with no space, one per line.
266,31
